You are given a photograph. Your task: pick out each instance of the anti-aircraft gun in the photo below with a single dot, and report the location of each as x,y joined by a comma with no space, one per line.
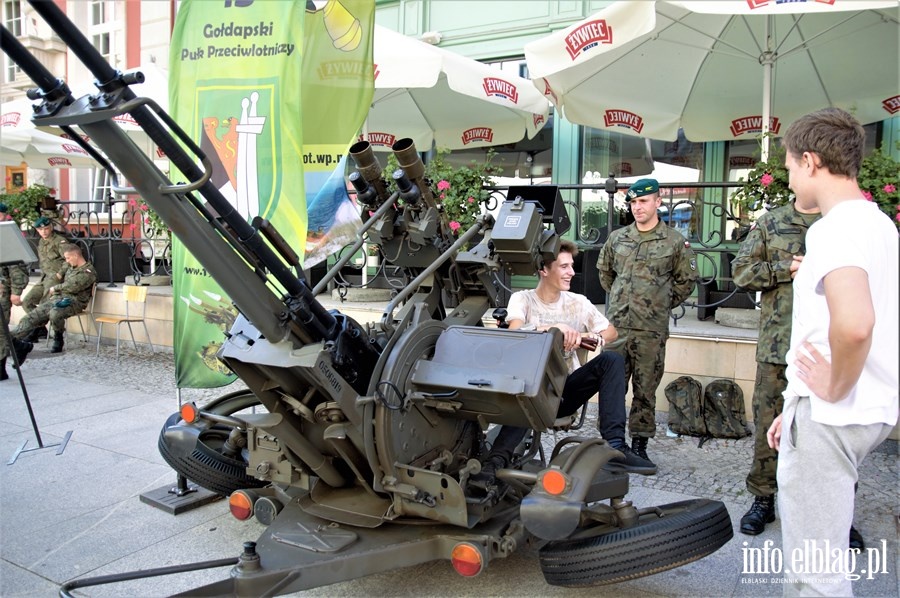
361,447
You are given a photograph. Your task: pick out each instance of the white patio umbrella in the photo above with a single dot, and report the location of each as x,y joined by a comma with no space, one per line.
721,70
430,94
17,114
39,149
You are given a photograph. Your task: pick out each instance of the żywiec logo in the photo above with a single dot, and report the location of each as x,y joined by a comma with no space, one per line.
588,36
548,91
73,149
753,124
538,119
125,119
382,139
341,69
761,3
740,162
623,118
10,119
58,162
892,105
498,87
477,134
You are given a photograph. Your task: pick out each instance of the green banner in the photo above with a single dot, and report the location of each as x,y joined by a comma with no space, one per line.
257,84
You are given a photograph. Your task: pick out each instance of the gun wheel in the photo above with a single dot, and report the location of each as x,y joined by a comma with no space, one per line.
207,466
684,532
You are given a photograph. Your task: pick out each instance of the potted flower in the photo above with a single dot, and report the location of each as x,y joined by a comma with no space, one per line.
766,185
459,190
29,203
879,179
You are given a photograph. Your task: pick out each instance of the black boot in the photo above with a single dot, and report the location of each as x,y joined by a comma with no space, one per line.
37,334
856,539
3,374
22,349
630,461
639,447
761,512
58,341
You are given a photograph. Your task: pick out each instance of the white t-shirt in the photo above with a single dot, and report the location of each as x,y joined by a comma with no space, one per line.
571,308
857,234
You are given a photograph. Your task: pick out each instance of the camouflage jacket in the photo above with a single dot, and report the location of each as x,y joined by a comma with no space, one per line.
763,264
646,275
76,284
13,280
50,257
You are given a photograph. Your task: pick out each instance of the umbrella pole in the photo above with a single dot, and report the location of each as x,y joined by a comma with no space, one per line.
767,60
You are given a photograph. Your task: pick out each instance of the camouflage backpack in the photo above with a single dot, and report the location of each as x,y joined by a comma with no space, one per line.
685,407
723,410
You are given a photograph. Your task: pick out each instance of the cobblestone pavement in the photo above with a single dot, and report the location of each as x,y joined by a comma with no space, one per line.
34,560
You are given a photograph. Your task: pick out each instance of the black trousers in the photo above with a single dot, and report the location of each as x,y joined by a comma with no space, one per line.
603,375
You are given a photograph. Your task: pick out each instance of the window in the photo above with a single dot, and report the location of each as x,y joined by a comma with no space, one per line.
101,27
12,20
630,158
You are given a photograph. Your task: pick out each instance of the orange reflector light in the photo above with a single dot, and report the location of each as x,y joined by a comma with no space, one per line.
466,559
189,412
241,505
554,482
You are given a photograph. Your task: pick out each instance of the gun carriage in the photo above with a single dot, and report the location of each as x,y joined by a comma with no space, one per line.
357,445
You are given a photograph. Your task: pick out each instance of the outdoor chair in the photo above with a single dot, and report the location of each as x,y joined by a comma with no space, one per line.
135,311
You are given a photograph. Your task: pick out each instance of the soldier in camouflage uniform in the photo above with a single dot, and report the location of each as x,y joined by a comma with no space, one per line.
50,261
66,298
647,269
767,261
13,280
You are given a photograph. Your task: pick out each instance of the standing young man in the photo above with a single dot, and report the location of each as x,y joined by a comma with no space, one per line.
767,262
647,268
841,397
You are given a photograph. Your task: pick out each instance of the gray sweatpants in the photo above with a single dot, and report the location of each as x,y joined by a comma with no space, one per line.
817,470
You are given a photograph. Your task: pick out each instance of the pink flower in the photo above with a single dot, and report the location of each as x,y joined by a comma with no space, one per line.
471,200
147,220
454,225
132,226
897,217
889,188
442,196
766,179
132,202
443,185
867,195
144,207
898,207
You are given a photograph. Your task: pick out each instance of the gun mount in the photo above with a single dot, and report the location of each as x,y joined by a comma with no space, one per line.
359,452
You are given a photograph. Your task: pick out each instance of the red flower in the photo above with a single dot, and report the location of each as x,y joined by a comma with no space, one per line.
454,225
889,188
443,185
766,179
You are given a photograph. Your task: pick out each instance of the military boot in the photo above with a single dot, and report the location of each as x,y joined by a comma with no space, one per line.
58,341
761,512
639,447
37,334
22,349
3,374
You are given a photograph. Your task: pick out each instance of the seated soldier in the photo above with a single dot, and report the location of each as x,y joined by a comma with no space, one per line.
66,298
552,305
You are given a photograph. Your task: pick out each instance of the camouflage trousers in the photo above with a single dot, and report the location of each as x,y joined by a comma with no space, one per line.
47,312
6,306
645,358
767,405
33,297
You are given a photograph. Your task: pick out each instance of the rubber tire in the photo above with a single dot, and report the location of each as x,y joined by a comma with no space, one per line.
691,530
206,465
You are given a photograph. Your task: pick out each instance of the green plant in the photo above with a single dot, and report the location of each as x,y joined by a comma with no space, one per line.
25,205
766,185
142,215
459,190
879,179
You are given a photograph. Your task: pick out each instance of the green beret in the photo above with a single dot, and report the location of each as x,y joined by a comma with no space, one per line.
643,187
3,208
42,221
